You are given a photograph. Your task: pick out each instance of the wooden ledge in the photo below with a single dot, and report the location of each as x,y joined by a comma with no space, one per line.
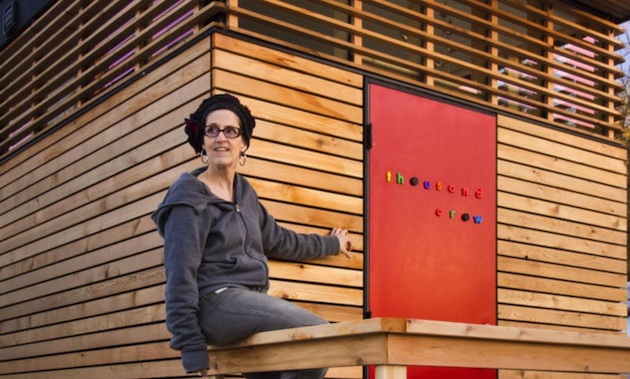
350,328
393,343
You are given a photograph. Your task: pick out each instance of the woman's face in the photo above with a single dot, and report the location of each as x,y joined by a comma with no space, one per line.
221,150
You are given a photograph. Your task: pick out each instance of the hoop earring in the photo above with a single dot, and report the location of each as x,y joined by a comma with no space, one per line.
202,153
242,159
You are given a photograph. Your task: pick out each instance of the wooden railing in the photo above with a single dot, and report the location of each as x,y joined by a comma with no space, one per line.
392,344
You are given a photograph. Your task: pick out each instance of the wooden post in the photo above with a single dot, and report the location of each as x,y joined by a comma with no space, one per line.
357,39
549,53
430,46
494,36
391,372
232,19
610,118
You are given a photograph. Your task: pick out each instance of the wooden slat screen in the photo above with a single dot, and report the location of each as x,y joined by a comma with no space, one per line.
543,59
81,51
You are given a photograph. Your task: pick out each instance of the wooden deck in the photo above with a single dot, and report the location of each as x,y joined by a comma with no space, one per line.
391,344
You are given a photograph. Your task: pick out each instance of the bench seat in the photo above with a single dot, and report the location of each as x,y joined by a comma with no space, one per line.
392,344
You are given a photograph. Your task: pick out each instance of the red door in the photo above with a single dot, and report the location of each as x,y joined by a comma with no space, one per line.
432,214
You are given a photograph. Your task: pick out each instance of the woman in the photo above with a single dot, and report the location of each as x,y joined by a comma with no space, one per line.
217,237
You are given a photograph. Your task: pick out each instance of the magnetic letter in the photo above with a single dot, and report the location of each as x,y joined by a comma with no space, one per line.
414,181
465,217
388,176
477,219
464,192
479,194
438,186
452,214
451,188
399,178
426,184
438,212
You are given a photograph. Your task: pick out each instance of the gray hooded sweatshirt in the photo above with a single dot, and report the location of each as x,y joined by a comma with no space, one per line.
211,243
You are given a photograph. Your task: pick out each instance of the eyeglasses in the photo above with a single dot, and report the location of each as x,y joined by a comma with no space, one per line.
228,132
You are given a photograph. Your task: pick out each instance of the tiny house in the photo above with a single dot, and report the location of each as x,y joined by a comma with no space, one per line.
470,148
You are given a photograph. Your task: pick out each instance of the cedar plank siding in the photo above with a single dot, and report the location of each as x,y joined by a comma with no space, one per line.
561,230
81,276
81,261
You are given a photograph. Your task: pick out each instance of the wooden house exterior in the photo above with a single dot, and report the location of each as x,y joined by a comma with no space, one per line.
92,99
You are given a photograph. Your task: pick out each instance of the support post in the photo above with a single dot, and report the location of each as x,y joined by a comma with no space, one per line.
391,372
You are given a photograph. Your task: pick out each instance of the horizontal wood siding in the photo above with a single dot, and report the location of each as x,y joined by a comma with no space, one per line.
82,282
81,276
305,161
561,227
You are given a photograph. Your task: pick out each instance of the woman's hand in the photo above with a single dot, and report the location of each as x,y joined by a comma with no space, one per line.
345,245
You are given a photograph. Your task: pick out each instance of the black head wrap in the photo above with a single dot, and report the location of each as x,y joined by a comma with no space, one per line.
197,121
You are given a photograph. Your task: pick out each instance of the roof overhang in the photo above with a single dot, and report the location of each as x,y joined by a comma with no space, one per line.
617,11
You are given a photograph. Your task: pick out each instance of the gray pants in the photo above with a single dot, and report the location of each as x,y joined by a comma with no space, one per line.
236,313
